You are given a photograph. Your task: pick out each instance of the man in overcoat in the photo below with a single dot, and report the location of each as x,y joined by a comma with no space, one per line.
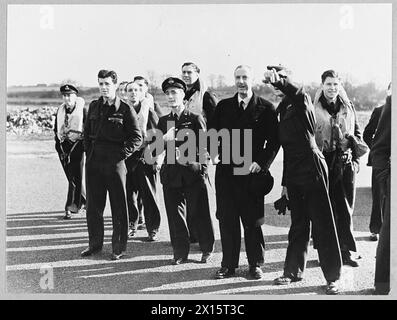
244,113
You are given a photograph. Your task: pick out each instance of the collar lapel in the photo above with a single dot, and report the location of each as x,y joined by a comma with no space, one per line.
252,103
184,115
235,101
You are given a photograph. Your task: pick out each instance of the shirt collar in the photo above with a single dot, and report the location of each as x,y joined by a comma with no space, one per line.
175,114
69,109
109,102
331,107
246,99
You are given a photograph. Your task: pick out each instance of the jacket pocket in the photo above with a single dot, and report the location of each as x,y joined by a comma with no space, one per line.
114,128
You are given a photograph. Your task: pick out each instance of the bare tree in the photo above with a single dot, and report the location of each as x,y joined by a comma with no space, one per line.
152,77
211,79
165,76
220,81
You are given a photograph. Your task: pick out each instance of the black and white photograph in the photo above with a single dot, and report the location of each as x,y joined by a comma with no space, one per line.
196,151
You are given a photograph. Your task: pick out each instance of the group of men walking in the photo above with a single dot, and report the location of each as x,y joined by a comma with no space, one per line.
321,141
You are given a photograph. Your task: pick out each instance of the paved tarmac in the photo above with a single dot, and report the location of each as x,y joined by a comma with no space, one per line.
43,251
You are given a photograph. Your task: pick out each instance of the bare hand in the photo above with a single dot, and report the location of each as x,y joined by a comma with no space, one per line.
254,167
356,166
170,135
215,160
271,76
156,167
284,192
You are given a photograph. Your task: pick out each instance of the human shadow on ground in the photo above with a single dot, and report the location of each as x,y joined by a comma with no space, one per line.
139,277
143,271
62,249
48,240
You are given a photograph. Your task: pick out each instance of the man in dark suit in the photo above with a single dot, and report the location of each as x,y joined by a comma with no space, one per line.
380,153
111,135
376,212
245,110
184,183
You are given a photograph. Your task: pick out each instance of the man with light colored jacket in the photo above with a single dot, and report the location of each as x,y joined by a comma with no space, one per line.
339,138
68,129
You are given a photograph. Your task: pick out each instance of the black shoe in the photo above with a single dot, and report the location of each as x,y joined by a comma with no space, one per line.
224,272
89,251
332,288
131,233
141,226
285,280
117,256
255,272
152,237
348,261
67,216
179,261
206,257
373,237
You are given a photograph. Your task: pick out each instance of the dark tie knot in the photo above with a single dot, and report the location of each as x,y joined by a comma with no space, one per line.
242,105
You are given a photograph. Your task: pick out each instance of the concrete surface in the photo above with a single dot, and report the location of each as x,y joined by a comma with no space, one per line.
40,243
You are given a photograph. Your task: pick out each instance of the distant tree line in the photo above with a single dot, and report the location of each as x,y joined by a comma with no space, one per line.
364,96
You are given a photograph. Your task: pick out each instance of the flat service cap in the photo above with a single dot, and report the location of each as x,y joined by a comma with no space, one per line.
172,82
68,88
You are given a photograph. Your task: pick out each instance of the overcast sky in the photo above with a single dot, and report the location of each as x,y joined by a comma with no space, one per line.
47,44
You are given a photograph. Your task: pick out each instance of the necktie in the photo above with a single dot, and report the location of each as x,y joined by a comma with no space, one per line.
242,105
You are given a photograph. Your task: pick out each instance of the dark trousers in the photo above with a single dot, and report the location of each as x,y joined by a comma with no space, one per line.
141,184
73,166
102,177
342,192
309,202
234,203
189,200
382,268
376,212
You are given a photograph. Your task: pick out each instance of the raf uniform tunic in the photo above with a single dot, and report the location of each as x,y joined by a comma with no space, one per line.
185,191
111,135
